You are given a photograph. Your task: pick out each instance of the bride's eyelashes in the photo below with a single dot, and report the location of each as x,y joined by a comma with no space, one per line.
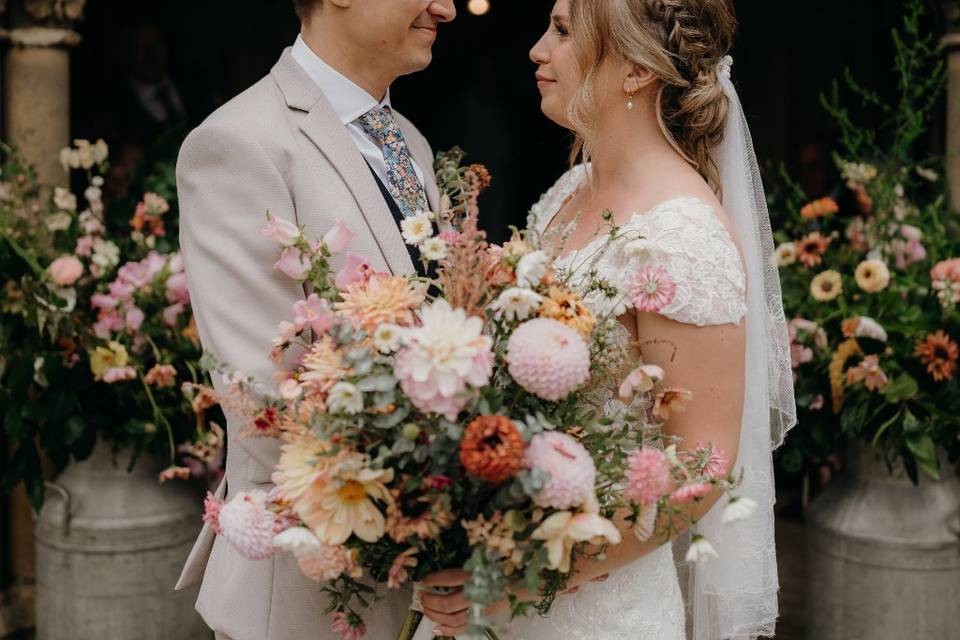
560,29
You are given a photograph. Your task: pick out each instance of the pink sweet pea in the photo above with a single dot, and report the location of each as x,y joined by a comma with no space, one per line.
338,237
107,324
171,313
356,269
292,264
282,232
134,319
313,312
177,288
121,290
103,302
84,246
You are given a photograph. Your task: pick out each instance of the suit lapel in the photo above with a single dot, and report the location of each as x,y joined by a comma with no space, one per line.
324,129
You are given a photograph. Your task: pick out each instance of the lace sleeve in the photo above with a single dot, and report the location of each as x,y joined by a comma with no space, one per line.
694,247
550,202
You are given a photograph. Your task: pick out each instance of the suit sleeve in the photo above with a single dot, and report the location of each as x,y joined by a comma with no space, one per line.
227,183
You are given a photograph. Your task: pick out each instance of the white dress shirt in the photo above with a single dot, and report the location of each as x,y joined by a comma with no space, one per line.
350,102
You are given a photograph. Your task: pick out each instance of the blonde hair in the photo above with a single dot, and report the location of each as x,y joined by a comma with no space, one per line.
682,42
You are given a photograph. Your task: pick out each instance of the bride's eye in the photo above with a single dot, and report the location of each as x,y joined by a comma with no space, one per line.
561,30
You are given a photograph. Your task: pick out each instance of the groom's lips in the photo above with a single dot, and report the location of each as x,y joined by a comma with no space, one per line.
426,30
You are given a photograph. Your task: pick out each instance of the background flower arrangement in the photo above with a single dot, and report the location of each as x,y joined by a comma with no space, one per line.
460,425
97,337
873,283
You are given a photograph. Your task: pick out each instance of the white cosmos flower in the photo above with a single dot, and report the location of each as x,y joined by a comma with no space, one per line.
434,249
517,304
388,338
345,398
531,268
700,550
738,509
416,228
299,541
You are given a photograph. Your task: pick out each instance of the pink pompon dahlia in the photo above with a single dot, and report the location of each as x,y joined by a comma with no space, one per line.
652,289
348,625
247,525
571,469
442,357
648,477
548,358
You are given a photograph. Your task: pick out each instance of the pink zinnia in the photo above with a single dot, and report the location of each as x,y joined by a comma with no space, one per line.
548,358
313,312
211,512
652,289
570,467
349,626
691,492
648,476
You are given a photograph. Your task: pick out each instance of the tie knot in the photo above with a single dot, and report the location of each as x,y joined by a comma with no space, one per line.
379,123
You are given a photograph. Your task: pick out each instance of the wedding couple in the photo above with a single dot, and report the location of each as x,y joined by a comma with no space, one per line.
645,87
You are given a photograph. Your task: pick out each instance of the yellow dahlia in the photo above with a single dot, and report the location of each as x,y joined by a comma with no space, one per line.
346,502
384,299
826,286
322,366
845,350
566,307
872,276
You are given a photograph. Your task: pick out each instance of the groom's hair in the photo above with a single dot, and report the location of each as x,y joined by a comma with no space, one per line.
304,8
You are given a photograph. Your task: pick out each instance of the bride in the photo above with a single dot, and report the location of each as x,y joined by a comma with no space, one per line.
645,87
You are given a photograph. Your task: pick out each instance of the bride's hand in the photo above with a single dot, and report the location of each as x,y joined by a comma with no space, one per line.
450,611
602,578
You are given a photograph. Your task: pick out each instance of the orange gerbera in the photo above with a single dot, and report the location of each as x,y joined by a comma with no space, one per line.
492,449
384,299
566,307
811,247
939,352
819,208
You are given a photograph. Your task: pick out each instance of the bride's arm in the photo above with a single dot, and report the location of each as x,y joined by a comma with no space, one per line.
709,361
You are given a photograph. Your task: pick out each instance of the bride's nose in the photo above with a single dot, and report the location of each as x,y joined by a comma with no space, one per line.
540,54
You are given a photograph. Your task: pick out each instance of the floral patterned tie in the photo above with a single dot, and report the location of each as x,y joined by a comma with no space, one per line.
402,181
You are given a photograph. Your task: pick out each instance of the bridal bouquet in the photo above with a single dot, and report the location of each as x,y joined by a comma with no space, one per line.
458,422
97,335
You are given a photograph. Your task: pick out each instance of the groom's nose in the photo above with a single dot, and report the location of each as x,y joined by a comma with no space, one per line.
442,10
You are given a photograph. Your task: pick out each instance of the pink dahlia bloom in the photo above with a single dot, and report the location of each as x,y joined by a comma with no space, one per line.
652,289
548,358
211,512
247,525
442,357
648,476
329,563
571,469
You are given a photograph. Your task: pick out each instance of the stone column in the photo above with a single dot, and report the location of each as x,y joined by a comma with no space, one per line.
36,119
952,45
37,81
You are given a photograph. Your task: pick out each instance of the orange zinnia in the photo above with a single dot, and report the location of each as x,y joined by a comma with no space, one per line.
819,208
811,247
939,352
492,449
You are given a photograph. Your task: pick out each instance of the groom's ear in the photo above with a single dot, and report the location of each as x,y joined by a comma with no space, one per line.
636,78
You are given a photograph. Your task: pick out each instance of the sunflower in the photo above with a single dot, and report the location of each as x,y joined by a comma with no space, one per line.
811,247
384,299
566,307
939,353
492,449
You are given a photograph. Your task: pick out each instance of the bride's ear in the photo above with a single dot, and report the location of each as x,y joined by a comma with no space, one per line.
636,78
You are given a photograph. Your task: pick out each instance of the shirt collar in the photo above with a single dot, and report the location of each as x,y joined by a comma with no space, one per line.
348,99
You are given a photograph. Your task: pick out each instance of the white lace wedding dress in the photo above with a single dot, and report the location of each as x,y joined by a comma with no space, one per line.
643,601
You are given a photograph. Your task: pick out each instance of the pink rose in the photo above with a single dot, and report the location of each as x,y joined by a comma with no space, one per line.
338,237
293,264
281,231
134,319
65,270
84,246
177,290
154,263
103,302
135,274
121,290
171,313
356,269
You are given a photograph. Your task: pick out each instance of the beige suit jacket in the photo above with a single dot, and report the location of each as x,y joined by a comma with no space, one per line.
277,147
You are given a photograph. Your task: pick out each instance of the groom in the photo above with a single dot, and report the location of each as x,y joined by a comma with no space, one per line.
314,141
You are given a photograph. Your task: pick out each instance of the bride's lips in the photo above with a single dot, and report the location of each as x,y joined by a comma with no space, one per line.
544,80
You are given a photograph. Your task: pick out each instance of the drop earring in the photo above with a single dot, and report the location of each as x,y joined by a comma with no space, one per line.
630,101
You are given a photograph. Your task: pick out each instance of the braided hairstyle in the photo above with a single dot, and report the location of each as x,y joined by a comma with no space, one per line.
682,42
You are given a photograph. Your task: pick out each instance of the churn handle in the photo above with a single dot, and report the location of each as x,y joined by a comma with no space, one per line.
67,503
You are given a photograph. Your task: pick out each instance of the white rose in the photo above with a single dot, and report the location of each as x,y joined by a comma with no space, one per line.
64,199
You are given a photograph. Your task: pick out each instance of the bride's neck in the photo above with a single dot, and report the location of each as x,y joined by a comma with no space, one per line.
629,147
